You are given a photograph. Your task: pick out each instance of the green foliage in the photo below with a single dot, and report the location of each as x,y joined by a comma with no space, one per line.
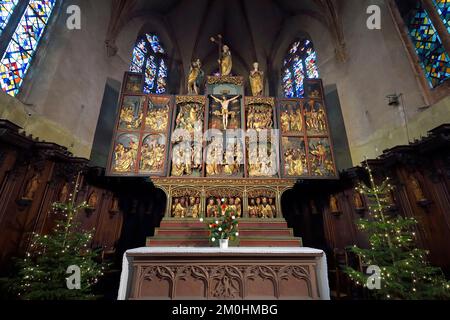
225,226
42,273
405,272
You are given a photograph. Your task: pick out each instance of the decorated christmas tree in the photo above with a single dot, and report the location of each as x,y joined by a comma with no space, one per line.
45,273
404,272
225,226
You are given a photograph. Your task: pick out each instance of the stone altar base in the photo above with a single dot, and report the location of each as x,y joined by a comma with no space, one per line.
234,273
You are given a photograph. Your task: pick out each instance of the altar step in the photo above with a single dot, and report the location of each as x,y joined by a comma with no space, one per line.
202,242
173,232
252,233
243,223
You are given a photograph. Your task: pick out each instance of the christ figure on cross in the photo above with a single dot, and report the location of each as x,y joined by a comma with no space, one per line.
224,112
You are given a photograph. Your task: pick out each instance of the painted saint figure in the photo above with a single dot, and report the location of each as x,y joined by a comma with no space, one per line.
226,62
195,77
256,80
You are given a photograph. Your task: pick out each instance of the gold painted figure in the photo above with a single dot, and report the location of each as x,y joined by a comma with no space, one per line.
181,161
157,119
152,157
320,152
180,208
238,205
125,157
225,62
256,80
274,208
291,121
285,122
193,210
315,116
223,163
260,117
224,112
195,77
211,208
266,211
190,118
295,162
261,165
128,118
214,158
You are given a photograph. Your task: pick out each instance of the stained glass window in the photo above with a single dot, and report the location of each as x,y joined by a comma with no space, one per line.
300,64
434,60
23,44
6,10
288,85
148,57
443,8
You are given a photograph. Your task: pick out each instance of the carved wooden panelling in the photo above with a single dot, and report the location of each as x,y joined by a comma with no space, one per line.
203,280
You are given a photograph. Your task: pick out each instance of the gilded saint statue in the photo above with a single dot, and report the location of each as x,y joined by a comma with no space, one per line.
256,80
225,62
195,77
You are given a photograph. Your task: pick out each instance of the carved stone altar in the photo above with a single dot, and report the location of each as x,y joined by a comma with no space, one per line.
236,274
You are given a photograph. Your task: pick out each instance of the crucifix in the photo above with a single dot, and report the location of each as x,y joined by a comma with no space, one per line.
224,111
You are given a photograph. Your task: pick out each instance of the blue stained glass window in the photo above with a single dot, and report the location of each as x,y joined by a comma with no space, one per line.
288,83
299,76
23,44
443,8
162,76
6,10
299,64
154,43
150,75
139,52
311,66
434,60
148,57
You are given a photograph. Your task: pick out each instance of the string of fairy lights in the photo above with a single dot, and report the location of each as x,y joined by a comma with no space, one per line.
392,247
69,243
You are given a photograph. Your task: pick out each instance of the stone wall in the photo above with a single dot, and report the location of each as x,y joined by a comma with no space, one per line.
62,93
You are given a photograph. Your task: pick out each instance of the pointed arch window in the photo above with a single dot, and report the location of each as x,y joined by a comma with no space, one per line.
149,58
24,40
299,64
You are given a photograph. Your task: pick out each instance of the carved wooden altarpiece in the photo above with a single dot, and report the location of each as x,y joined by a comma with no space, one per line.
222,147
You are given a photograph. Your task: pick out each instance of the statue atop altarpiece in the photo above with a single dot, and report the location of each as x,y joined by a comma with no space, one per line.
256,78
225,60
195,77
